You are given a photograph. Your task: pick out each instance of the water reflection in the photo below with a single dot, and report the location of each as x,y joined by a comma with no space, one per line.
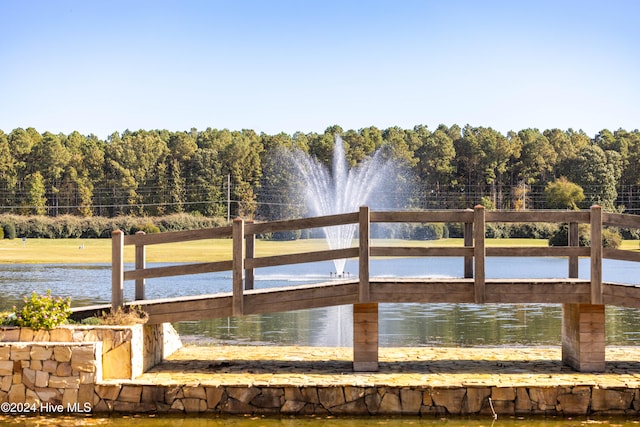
400,324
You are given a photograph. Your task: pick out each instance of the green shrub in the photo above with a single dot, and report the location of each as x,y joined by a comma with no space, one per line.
9,231
561,236
281,236
43,311
428,231
611,238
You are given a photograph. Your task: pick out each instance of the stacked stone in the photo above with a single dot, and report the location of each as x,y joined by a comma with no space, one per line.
34,373
350,400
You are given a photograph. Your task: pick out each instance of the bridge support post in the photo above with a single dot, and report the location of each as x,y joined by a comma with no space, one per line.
365,337
583,337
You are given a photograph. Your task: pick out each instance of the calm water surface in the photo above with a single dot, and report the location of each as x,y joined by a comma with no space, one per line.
400,324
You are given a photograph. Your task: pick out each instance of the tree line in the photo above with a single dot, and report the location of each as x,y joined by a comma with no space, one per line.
238,173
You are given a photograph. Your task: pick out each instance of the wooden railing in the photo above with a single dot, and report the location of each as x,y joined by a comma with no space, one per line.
244,261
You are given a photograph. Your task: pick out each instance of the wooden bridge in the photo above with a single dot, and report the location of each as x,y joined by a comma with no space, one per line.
583,300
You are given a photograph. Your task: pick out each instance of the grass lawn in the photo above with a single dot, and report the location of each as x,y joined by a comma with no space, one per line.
99,250
77,251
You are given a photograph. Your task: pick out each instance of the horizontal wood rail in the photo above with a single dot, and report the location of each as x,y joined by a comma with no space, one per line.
243,259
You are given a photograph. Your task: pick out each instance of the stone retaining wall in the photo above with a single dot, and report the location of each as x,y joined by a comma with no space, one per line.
348,400
126,351
59,370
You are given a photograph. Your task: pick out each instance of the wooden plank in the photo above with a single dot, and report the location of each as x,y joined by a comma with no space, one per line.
178,236
299,258
301,297
140,265
538,216
217,301
479,253
302,223
621,295
621,254
423,216
553,292
621,220
395,251
238,266
596,255
468,243
536,251
178,270
573,241
250,253
363,261
117,269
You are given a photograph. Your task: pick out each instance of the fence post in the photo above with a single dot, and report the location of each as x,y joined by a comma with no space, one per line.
596,254
363,262
117,269
468,242
574,240
238,266
479,253
250,252
141,263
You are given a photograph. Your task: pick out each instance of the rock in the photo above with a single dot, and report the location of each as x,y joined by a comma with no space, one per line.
410,401
607,399
62,354
243,394
331,396
544,398
292,407
451,399
60,335
390,404
574,404
130,394
214,394
116,364
476,398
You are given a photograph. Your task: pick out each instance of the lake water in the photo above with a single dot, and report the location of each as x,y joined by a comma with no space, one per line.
400,324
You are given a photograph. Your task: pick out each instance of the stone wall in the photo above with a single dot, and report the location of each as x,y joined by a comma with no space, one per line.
58,371
127,351
350,400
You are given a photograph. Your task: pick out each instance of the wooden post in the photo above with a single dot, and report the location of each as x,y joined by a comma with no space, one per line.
117,269
250,252
574,240
479,253
365,337
468,242
238,266
363,262
596,254
141,263
583,337
583,325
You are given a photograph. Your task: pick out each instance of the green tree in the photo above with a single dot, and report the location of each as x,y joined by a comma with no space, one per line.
8,173
563,194
597,172
36,200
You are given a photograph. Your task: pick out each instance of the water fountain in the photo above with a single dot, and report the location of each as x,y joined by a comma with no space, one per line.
343,190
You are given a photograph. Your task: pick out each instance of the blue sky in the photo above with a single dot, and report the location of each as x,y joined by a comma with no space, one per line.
100,66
